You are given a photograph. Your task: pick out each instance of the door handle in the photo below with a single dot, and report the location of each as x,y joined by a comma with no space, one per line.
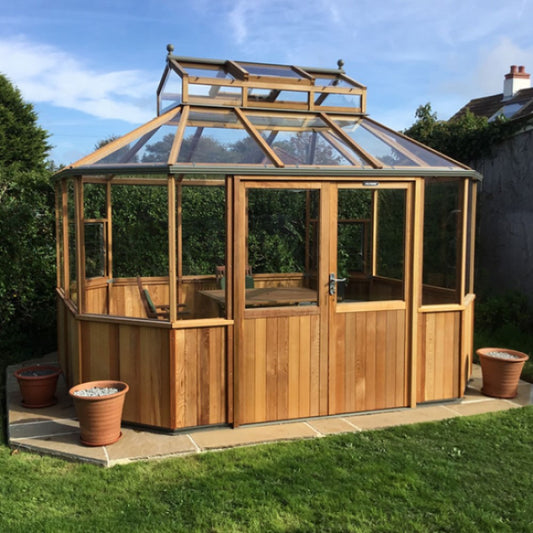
333,283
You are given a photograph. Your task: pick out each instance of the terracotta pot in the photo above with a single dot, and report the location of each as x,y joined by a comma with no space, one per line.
501,375
99,416
38,385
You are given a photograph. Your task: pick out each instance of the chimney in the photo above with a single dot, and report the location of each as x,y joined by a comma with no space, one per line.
516,80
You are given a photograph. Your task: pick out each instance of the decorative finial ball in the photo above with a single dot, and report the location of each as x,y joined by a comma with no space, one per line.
170,48
340,64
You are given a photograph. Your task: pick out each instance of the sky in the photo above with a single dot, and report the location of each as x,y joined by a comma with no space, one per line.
91,69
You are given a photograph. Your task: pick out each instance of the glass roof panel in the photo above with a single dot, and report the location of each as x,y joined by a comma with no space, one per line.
275,71
391,149
507,110
217,136
425,156
373,145
157,148
151,147
209,71
304,140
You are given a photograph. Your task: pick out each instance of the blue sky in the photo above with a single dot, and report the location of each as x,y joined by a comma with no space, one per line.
91,69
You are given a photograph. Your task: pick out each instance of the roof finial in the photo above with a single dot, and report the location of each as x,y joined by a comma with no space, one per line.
170,49
340,64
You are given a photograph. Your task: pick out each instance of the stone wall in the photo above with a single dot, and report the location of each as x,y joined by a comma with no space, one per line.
505,223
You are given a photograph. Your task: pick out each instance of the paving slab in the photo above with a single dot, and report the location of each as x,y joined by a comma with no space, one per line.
473,394
67,446
399,418
332,426
42,428
242,436
136,444
481,407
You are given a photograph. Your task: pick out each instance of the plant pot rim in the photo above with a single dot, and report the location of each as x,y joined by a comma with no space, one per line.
107,383
520,356
56,371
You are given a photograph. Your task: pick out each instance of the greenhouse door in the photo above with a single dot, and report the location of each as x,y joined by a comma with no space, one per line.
318,299
371,279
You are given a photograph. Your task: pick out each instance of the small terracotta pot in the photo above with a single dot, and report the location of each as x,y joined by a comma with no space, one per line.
99,416
38,385
501,376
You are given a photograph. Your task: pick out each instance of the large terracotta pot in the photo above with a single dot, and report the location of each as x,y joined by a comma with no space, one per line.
37,385
501,369
99,416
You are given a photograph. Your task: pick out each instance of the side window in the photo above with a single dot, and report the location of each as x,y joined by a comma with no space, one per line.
442,241
371,244
95,229
282,246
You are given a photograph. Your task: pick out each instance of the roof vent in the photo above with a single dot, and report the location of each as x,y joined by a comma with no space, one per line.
516,80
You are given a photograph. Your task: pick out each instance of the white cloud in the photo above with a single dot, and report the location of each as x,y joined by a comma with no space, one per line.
484,75
46,74
238,21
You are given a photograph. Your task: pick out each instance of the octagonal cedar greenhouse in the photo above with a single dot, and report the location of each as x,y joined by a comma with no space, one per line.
262,250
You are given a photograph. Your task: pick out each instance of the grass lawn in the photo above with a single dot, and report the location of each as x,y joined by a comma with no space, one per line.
464,474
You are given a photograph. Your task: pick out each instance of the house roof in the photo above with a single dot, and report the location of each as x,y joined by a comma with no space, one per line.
519,106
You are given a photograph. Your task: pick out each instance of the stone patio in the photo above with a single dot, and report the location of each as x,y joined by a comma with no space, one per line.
55,431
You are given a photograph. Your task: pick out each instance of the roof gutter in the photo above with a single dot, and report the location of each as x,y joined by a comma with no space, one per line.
330,172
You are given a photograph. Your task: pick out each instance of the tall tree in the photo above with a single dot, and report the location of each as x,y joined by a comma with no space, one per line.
23,144
27,244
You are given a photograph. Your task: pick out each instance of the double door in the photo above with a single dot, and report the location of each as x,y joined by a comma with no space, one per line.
339,255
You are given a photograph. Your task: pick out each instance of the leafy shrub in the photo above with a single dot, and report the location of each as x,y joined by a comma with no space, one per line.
510,309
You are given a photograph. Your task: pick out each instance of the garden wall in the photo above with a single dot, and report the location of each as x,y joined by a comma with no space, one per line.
505,234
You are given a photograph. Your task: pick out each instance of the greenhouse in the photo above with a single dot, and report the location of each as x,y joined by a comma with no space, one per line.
263,250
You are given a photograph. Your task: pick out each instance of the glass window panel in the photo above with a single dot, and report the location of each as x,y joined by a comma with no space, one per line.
391,234
330,81
72,262
59,226
94,200
356,208
203,221
442,241
171,93
283,247
140,231
218,138
267,96
219,94
469,281
72,249
338,100
354,263
94,249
